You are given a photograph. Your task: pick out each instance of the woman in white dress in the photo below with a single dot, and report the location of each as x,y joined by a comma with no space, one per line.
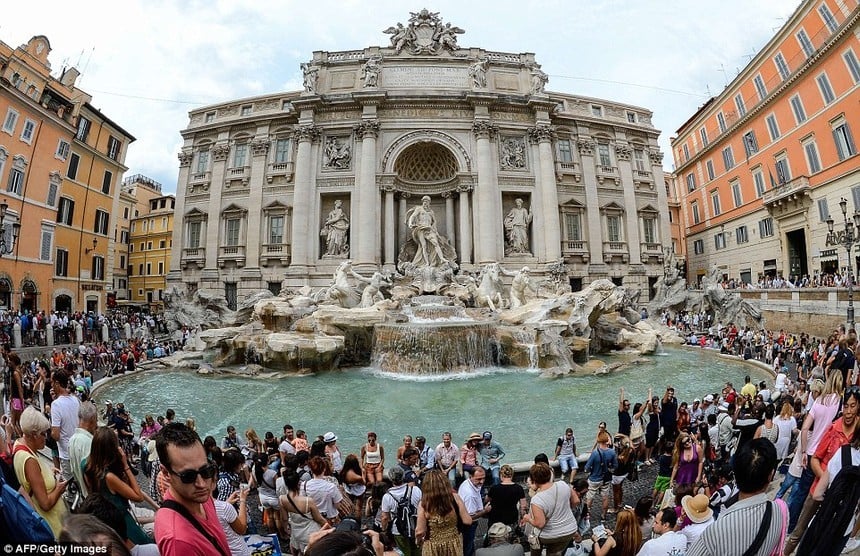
301,513
787,425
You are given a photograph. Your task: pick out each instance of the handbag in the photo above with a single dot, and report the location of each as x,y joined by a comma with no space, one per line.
533,537
607,474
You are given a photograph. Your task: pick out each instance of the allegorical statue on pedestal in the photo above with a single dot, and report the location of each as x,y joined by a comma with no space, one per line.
517,229
336,231
429,244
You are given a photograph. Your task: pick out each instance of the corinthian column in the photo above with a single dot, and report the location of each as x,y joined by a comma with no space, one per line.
300,257
259,151
465,225
175,273
220,152
390,237
543,134
487,209
367,250
592,202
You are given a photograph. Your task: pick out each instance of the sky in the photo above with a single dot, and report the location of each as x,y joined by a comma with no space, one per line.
147,63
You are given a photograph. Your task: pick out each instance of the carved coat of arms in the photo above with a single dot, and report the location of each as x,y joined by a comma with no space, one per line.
425,34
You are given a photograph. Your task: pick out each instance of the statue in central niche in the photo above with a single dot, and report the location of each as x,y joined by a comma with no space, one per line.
422,222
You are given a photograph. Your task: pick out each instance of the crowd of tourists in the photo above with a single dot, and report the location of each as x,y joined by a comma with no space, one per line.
716,457
34,324
766,282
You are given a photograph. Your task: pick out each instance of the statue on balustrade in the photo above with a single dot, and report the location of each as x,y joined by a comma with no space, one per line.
517,229
336,231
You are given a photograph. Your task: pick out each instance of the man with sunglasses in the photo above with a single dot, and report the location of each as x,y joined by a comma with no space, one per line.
187,523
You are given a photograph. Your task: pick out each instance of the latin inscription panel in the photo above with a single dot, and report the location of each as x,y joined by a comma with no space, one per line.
424,76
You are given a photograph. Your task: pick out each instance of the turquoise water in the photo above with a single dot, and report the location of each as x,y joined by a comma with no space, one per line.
525,412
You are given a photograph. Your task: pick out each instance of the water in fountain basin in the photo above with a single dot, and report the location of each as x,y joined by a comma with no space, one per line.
525,413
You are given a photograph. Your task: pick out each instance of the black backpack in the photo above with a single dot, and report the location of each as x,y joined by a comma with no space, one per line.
406,515
826,533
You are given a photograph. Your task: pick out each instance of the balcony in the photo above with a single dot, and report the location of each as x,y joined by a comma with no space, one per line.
575,249
615,250
276,169
606,172
789,198
651,251
231,253
568,169
240,174
193,256
643,178
275,254
199,182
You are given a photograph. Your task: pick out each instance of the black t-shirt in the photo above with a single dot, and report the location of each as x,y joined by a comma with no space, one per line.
504,501
669,412
624,423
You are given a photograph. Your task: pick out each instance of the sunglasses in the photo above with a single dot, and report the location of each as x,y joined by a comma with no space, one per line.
190,475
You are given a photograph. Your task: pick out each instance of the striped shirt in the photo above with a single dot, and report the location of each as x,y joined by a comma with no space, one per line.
733,533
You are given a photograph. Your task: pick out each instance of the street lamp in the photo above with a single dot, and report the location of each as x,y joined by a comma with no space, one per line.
5,248
846,238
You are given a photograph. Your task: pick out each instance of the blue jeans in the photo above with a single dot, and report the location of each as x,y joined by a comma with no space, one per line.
788,482
493,475
799,494
469,539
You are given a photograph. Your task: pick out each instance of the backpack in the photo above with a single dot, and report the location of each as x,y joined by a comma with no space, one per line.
406,515
19,521
825,535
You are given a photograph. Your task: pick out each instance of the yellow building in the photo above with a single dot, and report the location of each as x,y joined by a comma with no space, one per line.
149,251
136,193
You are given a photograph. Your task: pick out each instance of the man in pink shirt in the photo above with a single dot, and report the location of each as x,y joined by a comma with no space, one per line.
187,523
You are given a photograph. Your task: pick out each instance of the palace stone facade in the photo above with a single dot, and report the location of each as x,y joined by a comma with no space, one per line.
285,187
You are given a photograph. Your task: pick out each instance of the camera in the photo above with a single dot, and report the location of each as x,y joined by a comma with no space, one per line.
352,525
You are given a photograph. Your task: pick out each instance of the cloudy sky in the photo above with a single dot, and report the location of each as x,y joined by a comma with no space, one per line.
148,62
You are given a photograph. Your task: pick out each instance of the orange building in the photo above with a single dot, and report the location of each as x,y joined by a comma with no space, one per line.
61,162
35,142
763,165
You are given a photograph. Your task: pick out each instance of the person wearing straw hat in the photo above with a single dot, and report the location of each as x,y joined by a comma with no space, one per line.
698,510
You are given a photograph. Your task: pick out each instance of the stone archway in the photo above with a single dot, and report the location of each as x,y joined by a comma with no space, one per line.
5,292
29,296
426,170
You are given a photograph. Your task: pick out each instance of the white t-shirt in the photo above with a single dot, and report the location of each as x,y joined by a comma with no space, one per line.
325,494
693,531
670,543
286,448
64,414
227,514
390,499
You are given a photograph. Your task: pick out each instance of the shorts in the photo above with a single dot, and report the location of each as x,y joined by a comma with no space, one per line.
618,479
662,483
270,501
598,488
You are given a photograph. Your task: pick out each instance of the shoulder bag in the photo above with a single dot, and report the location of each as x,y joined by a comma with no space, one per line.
183,511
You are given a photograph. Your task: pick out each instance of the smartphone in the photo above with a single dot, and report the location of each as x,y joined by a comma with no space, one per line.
244,486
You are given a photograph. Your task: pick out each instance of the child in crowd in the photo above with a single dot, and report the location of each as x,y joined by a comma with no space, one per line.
664,473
